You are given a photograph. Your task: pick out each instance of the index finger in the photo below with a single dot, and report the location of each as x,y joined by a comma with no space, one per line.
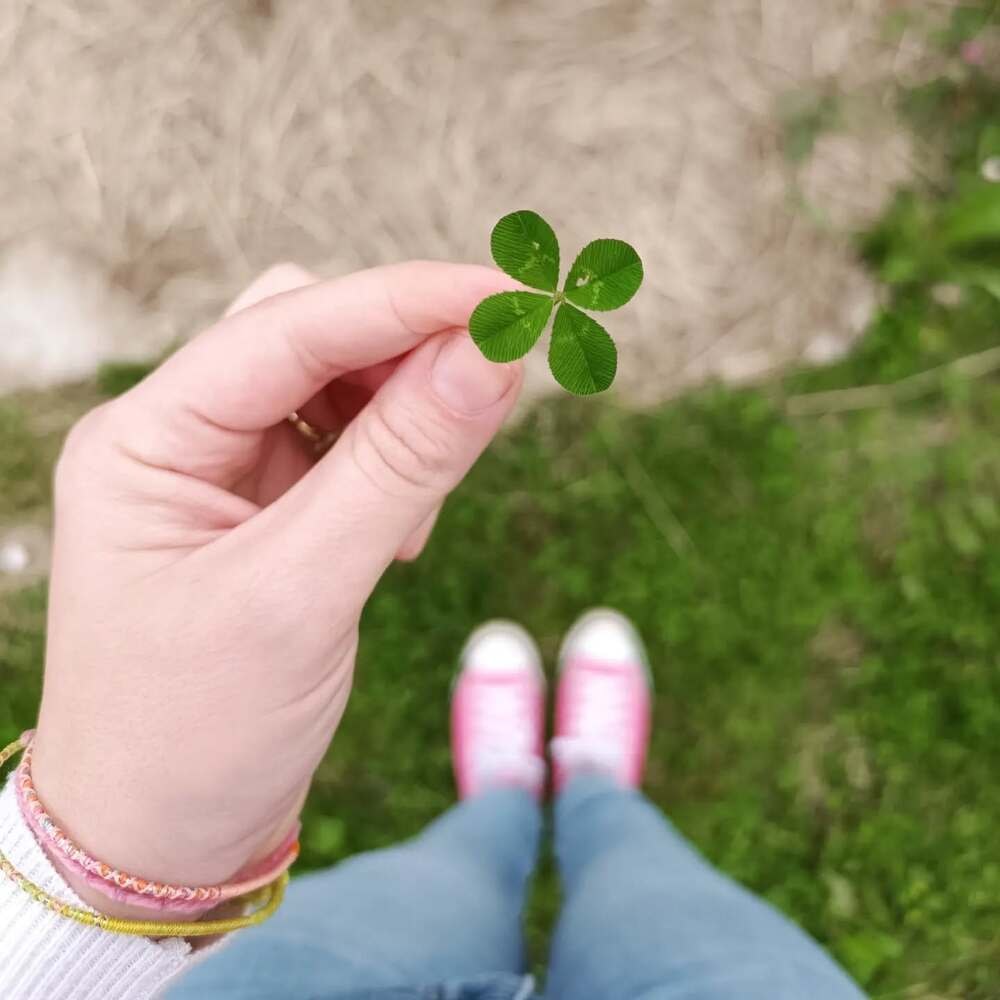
254,367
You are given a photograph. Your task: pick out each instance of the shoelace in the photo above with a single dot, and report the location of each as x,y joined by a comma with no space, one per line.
601,707
502,736
499,715
600,714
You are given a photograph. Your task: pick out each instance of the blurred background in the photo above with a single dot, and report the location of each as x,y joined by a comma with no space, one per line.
794,487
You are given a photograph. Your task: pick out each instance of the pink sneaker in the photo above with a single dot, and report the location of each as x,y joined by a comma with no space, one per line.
498,712
603,704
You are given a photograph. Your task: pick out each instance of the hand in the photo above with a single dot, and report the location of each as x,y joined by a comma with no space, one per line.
209,574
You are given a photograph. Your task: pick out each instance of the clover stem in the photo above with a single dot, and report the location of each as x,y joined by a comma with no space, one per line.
557,297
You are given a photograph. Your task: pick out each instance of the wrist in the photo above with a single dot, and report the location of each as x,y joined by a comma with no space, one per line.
116,838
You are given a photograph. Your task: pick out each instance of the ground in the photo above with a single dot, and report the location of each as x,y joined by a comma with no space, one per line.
157,156
819,597
814,563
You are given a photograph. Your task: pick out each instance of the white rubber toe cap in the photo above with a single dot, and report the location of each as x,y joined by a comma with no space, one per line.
499,647
605,636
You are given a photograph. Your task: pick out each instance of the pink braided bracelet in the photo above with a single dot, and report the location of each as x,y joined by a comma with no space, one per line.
126,888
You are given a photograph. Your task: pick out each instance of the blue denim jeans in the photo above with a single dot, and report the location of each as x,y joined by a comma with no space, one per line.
439,917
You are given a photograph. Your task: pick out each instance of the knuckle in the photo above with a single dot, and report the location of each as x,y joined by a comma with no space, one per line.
276,279
403,450
85,441
317,369
410,551
287,274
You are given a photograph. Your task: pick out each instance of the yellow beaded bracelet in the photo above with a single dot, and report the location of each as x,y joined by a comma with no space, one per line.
266,901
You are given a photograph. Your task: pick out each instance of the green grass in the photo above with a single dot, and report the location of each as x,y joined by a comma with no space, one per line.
819,595
819,598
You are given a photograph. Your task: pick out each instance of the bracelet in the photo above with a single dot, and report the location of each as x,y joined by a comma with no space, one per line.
265,900
126,888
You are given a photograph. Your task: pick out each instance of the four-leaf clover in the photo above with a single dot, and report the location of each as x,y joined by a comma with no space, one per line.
605,275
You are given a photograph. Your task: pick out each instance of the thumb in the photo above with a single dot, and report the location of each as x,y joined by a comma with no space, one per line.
397,461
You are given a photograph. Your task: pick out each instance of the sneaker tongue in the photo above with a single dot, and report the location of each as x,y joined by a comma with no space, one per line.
574,754
504,768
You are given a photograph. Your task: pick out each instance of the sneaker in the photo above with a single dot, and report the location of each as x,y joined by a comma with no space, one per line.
603,703
498,712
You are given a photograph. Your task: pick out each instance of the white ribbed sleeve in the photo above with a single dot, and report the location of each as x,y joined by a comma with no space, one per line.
47,957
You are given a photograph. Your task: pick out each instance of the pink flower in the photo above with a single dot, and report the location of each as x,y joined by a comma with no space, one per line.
973,52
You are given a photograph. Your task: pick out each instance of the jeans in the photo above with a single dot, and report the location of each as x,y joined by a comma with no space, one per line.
439,917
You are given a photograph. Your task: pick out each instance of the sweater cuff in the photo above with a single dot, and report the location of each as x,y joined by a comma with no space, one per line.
47,957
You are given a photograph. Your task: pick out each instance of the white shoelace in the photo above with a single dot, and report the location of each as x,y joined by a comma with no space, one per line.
599,719
503,739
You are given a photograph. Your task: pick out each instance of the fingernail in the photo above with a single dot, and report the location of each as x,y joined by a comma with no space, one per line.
464,380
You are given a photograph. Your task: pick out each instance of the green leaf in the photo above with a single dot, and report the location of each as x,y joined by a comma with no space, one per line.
525,247
967,20
975,214
605,275
582,356
866,952
505,326
987,278
989,143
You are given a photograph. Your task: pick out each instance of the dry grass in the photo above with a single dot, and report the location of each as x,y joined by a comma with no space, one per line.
156,155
